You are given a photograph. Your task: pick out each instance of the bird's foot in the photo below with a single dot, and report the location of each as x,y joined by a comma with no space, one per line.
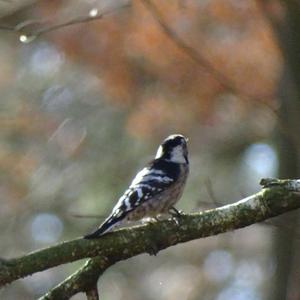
150,220
176,214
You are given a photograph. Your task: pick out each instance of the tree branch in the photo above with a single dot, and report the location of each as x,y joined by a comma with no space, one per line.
92,294
82,280
276,198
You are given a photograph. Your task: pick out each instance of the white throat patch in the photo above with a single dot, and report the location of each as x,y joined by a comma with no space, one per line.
177,155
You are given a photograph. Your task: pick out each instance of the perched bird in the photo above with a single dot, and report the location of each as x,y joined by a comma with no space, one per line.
155,189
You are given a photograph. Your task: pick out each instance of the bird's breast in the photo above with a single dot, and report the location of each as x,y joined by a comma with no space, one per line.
161,202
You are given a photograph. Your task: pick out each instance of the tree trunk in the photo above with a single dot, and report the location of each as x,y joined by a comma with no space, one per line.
288,149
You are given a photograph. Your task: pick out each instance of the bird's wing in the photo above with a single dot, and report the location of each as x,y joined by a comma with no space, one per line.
149,182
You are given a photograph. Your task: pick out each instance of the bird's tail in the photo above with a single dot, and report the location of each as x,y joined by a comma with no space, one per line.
105,227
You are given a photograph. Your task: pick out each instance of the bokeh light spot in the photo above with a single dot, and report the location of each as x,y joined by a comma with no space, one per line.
218,265
93,12
46,228
25,39
262,159
45,60
238,293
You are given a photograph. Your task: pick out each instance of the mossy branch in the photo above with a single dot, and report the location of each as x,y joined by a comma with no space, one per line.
275,198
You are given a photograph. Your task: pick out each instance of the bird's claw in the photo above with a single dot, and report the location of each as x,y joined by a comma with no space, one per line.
174,212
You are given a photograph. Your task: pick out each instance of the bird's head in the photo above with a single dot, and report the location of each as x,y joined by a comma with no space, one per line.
174,149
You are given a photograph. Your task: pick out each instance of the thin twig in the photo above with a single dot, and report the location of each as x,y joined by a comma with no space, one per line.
89,216
84,19
21,27
7,27
211,193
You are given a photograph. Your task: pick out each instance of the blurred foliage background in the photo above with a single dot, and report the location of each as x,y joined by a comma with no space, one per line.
83,107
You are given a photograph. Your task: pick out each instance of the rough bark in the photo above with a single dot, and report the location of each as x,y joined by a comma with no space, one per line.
276,198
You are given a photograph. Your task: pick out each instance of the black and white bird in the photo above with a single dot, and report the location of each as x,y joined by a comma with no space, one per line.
155,189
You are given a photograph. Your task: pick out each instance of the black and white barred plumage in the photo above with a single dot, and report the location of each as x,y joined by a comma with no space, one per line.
155,189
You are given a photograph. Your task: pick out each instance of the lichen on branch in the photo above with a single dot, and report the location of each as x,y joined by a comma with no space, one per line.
276,197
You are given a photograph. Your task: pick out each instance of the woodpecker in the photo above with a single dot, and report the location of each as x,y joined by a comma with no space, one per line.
155,189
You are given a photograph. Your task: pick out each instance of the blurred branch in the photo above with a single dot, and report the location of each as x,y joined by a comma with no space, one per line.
209,188
80,216
200,59
9,7
23,28
226,82
276,197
